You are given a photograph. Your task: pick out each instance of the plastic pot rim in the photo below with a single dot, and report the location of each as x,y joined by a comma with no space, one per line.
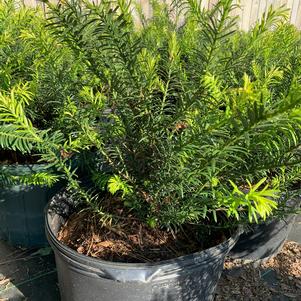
72,254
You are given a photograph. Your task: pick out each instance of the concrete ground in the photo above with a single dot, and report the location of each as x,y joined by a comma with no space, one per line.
27,274
295,234
31,275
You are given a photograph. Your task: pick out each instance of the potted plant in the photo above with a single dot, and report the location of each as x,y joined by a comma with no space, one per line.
31,69
279,47
180,157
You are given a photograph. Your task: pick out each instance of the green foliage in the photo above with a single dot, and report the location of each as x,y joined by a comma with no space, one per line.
37,75
260,203
29,54
186,122
186,116
115,184
38,178
16,132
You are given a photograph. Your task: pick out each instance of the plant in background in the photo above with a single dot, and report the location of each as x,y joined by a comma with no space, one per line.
18,134
179,135
30,55
38,75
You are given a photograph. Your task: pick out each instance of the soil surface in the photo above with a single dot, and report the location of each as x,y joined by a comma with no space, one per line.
276,279
131,240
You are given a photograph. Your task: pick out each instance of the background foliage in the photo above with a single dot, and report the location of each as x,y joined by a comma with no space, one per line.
37,75
187,122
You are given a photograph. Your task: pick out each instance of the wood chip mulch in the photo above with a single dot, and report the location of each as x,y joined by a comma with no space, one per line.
130,240
275,279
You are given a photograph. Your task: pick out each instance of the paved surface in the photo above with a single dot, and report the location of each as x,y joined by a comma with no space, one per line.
27,275
30,274
295,234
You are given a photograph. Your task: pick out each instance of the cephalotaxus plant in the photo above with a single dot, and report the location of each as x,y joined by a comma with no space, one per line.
30,55
178,134
37,76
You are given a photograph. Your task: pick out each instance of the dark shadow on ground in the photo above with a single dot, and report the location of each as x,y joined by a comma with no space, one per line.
27,274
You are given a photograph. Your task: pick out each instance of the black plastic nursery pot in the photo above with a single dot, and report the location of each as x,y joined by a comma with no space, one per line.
263,241
22,209
189,278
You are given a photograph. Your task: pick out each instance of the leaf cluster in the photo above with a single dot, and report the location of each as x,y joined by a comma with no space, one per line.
188,121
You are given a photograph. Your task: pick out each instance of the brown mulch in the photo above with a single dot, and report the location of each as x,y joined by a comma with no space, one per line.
278,278
131,240
274,279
